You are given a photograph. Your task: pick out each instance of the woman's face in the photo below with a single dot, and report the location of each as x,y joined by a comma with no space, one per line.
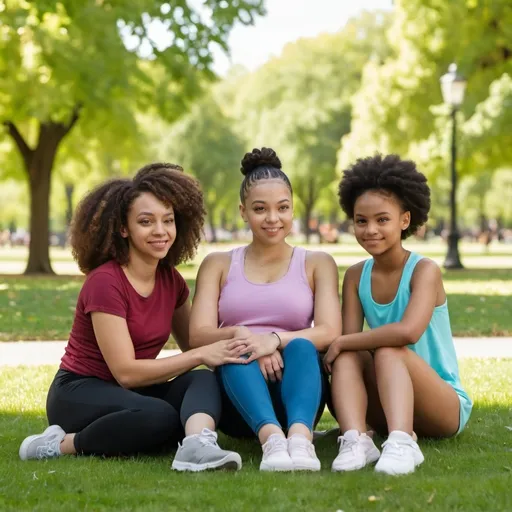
268,209
379,221
150,229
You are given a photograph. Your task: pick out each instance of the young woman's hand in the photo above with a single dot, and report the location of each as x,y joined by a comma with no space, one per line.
259,345
223,352
334,351
272,366
242,333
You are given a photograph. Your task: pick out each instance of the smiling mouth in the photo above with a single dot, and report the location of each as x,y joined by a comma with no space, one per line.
272,230
159,243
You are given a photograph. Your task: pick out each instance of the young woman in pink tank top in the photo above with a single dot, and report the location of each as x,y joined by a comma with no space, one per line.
279,303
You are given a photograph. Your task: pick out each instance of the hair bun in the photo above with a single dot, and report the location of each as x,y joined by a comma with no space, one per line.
258,157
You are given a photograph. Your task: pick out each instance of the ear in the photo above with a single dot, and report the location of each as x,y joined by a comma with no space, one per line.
406,220
243,213
124,232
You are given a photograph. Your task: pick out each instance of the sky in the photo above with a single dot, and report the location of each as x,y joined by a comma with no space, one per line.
285,22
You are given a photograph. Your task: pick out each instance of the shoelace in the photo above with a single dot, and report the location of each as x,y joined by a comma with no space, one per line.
208,438
307,449
49,449
347,445
276,445
392,448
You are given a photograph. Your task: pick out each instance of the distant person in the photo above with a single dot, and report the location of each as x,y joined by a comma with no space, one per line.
401,376
111,396
282,303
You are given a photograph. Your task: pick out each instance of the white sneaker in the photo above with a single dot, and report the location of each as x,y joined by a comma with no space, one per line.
43,446
275,454
356,451
400,454
302,453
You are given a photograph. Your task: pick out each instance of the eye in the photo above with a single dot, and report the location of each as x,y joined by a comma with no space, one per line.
383,219
144,222
170,221
360,221
259,209
284,207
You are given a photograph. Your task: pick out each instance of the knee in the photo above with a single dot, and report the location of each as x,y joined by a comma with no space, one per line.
301,347
386,355
346,360
160,416
204,377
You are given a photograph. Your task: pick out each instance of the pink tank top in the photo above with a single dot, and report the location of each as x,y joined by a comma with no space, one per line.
284,305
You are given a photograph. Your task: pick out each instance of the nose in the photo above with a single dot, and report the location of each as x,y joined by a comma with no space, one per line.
272,216
158,228
371,228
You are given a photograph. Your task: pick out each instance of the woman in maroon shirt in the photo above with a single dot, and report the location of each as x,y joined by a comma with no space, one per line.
111,396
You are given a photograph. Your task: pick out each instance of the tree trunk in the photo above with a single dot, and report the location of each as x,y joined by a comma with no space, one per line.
212,225
39,250
38,163
69,188
306,219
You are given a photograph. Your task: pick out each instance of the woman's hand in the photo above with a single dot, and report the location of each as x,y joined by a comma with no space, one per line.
259,345
272,366
223,352
242,333
334,351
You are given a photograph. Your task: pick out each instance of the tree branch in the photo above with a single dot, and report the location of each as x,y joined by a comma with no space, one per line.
23,147
74,117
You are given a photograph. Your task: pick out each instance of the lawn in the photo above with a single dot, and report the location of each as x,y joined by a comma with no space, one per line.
41,308
468,473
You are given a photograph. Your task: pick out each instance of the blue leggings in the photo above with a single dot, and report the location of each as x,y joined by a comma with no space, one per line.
299,394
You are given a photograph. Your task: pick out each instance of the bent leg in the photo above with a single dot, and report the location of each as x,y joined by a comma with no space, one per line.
248,391
301,387
109,420
413,395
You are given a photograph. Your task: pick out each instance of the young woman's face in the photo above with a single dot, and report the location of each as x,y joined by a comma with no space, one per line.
151,229
268,210
379,222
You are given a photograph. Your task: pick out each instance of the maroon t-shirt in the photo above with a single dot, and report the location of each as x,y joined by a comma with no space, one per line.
149,319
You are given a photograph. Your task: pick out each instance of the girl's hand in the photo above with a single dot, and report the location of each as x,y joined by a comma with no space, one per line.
272,366
259,345
242,332
334,351
223,352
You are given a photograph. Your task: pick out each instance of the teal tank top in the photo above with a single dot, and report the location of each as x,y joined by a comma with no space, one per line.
435,346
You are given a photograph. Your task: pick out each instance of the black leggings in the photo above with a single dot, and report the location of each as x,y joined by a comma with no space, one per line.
110,420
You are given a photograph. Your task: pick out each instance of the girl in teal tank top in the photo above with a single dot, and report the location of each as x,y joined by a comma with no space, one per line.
401,376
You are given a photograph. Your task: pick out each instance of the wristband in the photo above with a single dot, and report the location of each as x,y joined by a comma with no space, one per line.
278,337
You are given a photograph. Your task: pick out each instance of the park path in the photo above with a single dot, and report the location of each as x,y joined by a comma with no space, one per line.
50,352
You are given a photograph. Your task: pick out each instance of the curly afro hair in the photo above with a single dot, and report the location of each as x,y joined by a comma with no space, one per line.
391,175
96,227
261,164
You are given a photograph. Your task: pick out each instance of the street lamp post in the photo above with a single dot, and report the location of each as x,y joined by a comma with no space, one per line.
453,87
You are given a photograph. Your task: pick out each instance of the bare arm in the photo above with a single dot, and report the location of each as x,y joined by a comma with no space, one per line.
180,326
351,310
116,346
424,286
204,316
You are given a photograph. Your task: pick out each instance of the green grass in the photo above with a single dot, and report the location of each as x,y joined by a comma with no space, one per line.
41,308
468,473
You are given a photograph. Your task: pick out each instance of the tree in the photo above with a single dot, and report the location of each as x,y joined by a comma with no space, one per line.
94,64
300,103
205,143
399,106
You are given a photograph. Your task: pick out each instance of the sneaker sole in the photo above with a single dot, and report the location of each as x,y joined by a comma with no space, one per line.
392,472
24,445
230,462
304,467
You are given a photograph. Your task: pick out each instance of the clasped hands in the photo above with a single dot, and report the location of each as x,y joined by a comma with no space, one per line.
261,347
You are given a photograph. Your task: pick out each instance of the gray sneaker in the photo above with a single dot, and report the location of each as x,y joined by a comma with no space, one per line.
43,446
201,451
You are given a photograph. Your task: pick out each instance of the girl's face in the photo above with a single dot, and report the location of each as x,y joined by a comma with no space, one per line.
268,209
379,221
150,229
